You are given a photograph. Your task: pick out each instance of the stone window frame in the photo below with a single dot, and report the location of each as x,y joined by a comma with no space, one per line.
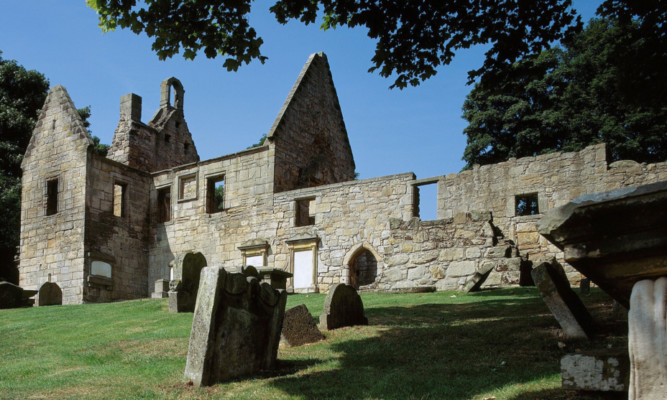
51,199
538,203
257,248
416,196
100,281
211,179
124,198
303,244
180,181
158,213
298,204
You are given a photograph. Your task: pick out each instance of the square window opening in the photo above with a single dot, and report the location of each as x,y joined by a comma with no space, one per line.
164,204
215,194
119,199
526,204
304,215
52,197
425,204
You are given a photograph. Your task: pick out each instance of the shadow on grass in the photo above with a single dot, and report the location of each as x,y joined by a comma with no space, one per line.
441,351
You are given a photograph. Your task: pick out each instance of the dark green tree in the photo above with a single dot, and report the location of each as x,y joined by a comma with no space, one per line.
607,84
22,94
413,37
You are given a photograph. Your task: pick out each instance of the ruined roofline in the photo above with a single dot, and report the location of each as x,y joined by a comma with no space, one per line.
216,159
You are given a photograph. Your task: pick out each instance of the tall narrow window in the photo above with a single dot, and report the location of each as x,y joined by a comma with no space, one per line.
164,204
52,197
526,204
215,194
425,201
304,215
119,200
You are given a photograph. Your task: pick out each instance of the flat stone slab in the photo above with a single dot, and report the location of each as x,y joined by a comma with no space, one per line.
595,372
562,301
299,327
342,307
236,326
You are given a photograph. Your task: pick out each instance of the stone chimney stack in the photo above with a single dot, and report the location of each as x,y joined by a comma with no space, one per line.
130,107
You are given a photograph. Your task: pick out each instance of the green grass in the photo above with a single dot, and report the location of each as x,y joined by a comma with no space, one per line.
443,345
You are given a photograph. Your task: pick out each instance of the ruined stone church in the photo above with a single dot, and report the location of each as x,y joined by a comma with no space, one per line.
106,229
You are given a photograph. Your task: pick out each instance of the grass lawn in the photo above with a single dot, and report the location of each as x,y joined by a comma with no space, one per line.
443,345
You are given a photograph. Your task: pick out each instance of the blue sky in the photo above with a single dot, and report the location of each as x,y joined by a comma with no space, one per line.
391,131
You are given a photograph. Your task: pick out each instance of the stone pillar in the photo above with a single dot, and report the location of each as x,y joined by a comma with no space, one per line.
130,107
647,340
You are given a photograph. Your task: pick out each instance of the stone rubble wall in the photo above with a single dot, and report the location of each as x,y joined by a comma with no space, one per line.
119,240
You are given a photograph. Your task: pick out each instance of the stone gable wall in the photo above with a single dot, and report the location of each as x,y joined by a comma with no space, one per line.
53,244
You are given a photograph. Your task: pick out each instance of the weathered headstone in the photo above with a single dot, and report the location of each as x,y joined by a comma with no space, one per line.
342,307
647,340
299,327
50,295
595,372
236,326
563,302
474,282
12,296
183,288
161,289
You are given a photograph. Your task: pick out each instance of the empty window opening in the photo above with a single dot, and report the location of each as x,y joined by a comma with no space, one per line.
167,138
304,215
363,269
119,194
52,197
164,204
526,204
186,146
215,194
426,201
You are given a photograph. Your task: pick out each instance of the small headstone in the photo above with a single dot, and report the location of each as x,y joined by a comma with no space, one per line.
342,307
299,327
564,304
474,282
183,288
647,339
50,295
161,289
607,373
236,326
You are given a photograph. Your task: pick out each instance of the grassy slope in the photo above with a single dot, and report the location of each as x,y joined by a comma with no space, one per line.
441,345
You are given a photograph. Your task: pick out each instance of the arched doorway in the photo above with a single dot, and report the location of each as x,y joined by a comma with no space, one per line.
363,267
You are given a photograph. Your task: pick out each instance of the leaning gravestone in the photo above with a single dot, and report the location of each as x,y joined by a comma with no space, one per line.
236,326
183,288
50,295
342,307
299,327
562,301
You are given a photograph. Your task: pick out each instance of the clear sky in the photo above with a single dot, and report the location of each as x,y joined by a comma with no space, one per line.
391,131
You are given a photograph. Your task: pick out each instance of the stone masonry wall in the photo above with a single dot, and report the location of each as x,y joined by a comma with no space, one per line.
309,135
53,244
121,240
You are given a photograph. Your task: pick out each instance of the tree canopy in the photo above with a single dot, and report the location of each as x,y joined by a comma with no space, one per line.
606,84
413,37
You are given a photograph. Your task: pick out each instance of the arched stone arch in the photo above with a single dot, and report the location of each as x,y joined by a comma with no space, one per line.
165,96
361,263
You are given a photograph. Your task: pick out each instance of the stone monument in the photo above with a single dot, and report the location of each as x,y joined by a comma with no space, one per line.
342,307
50,294
183,288
236,326
299,327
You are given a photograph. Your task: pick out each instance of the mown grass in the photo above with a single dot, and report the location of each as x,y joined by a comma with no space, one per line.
443,345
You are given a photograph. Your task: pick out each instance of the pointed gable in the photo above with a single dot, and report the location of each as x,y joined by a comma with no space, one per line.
309,135
59,124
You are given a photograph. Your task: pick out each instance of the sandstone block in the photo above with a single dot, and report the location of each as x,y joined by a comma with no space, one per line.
460,268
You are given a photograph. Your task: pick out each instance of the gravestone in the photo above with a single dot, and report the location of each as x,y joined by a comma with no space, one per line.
50,295
161,289
12,296
342,307
647,339
236,326
474,282
183,288
562,301
299,327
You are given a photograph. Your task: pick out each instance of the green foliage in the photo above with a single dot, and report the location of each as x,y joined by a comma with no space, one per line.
605,85
413,37
22,94
498,343
98,148
219,197
259,143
